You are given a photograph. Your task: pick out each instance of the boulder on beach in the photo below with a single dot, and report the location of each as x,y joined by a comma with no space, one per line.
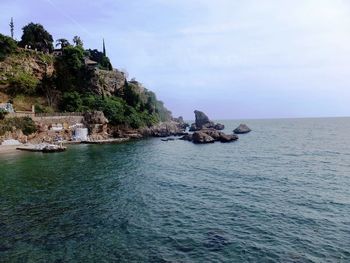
241,129
201,137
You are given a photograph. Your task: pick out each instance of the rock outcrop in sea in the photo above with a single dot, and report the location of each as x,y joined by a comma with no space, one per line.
241,129
203,122
205,131
164,129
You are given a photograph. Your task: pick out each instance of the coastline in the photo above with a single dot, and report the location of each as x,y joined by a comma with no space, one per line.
8,148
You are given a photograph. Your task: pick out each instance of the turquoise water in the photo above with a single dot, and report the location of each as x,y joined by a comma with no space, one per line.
279,194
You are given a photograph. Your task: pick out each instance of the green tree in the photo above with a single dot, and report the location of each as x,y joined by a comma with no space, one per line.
77,41
3,113
131,95
7,46
71,102
23,83
102,60
35,36
62,42
70,69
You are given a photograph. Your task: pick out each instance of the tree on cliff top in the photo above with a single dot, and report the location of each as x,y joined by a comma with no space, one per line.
70,69
62,42
7,46
35,36
77,41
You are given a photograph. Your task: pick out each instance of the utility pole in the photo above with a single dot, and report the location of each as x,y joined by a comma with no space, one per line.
12,27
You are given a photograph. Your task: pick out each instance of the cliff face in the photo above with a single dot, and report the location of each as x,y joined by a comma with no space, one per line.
27,62
106,83
68,83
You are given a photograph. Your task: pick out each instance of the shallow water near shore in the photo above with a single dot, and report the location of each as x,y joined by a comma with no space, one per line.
279,194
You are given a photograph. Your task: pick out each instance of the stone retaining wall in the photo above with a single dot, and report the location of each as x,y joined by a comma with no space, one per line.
70,120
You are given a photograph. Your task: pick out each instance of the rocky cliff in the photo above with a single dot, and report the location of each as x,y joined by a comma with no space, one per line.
108,83
29,62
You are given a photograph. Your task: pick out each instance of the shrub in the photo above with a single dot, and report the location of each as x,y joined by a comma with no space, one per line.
23,83
25,124
71,102
3,113
7,46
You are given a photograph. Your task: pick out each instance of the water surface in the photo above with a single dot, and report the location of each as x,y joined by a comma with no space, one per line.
279,194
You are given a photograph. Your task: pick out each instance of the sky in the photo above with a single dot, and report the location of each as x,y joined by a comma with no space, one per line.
232,59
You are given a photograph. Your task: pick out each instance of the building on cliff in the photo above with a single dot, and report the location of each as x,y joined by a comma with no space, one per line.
90,63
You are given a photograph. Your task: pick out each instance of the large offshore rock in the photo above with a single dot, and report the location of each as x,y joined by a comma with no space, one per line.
201,137
212,133
164,129
202,120
241,129
227,137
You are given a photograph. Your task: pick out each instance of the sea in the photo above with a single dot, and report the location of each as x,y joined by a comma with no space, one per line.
279,194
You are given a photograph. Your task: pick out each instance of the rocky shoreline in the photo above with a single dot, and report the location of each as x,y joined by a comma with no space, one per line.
100,132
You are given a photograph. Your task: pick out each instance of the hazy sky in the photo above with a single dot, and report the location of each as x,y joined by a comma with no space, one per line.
229,58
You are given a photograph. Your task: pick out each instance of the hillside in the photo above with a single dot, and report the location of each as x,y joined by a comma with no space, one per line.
71,82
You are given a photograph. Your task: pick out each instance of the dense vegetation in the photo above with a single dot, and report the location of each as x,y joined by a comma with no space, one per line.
25,124
36,37
67,89
7,46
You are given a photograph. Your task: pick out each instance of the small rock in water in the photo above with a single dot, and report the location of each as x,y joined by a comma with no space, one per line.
241,129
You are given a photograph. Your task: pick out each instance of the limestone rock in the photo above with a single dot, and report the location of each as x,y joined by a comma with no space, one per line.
201,137
241,129
95,117
193,127
219,127
227,137
186,137
202,120
164,129
106,82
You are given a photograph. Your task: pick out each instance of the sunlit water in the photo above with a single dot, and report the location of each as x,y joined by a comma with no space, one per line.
279,194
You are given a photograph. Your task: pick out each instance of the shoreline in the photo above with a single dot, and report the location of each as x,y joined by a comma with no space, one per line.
8,148
13,148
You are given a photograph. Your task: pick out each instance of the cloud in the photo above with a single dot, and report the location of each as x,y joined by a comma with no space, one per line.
271,54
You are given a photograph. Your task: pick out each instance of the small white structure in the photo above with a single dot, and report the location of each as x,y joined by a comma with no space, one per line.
7,107
81,134
57,127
